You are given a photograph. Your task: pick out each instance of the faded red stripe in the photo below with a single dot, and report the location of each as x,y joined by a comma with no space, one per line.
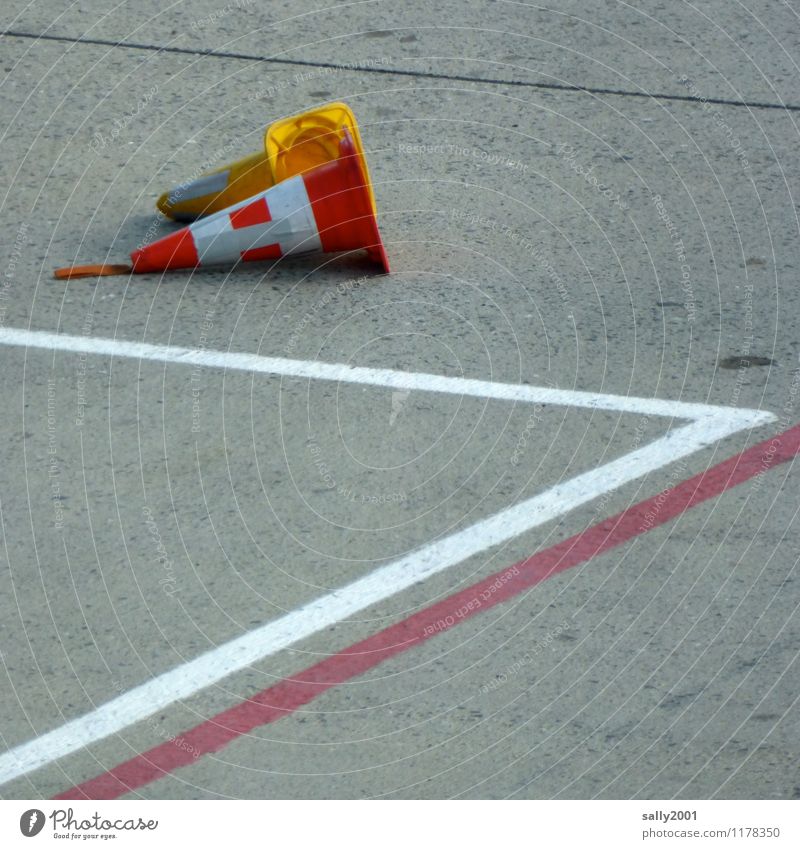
254,213
290,694
265,252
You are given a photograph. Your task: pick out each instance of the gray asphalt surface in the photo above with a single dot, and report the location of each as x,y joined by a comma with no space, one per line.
516,152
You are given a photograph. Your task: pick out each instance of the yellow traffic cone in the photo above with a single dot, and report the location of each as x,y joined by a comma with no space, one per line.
291,146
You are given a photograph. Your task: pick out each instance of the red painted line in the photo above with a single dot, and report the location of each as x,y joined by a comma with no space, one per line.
290,694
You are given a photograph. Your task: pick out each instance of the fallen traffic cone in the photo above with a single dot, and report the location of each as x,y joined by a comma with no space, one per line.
291,147
330,208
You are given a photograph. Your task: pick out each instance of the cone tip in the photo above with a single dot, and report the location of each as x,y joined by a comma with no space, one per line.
163,205
349,151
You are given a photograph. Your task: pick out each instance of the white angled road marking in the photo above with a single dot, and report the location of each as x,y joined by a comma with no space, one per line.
412,381
706,426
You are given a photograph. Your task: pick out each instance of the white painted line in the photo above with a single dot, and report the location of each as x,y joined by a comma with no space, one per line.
710,424
415,381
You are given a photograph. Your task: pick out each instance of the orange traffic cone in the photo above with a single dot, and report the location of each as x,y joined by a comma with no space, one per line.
329,208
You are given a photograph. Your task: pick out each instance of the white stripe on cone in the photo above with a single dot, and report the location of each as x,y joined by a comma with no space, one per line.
292,227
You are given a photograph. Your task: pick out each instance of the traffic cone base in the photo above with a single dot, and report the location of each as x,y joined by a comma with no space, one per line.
345,184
